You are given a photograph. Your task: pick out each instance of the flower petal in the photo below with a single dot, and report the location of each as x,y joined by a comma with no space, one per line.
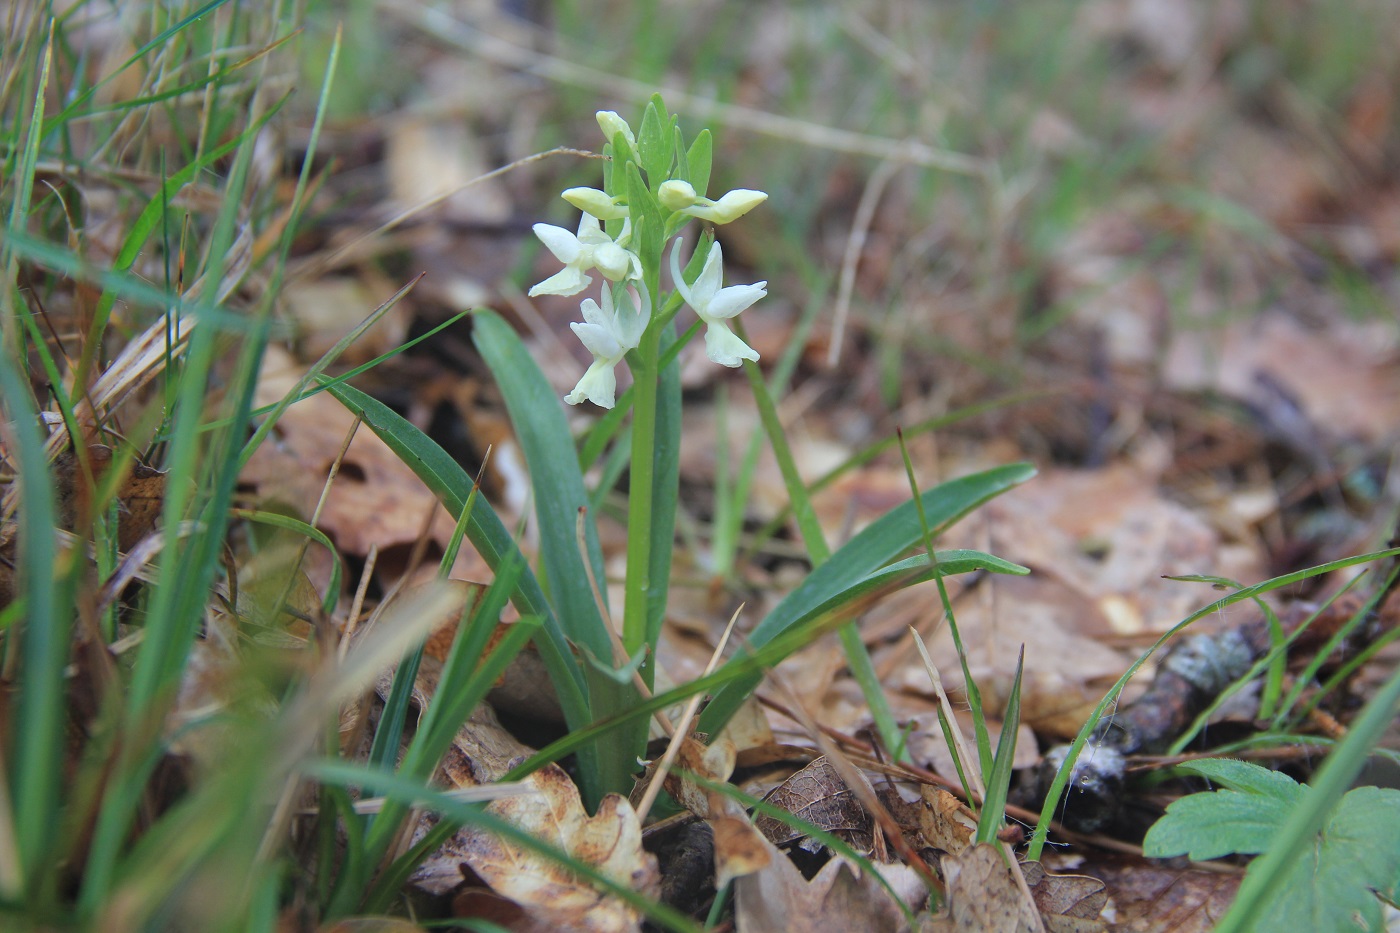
736,204
677,277
711,277
569,280
724,347
563,244
598,385
633,317
595,202
600,341
728,302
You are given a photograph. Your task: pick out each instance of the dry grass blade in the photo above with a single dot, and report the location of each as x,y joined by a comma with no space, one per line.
682,729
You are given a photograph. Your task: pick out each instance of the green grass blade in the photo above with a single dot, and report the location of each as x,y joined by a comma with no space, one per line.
297,526
970,688
38,725
446,479
22,183
878,544
999,775
154,43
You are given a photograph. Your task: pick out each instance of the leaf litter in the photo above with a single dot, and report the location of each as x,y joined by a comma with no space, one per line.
1177,439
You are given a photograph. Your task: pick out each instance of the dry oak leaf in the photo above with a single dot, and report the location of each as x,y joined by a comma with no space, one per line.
945,821
982,895
1067,903
610,842
818,795
839,899
739,848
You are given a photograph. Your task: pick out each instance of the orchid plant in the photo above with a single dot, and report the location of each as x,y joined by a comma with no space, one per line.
654,185
652,188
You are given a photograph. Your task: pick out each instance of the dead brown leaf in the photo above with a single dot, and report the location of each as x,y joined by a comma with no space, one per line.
1148,898
982,895
839,899
818,795
376,499
1067,903
610,842
945,821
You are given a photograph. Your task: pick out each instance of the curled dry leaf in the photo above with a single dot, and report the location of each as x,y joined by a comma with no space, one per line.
1067,903
982,895
839,899
818,795
945,821
739,848
610,842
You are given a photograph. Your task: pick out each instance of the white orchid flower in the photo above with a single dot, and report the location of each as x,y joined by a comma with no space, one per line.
596,202
608,333
590,248
714,305
680,196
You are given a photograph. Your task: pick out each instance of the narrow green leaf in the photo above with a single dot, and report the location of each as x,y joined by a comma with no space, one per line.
666,468
878,544
655,143
647,229
999,778
446,479
37,724
537,415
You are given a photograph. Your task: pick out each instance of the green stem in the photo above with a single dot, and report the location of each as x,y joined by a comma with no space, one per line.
817,549
639,498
